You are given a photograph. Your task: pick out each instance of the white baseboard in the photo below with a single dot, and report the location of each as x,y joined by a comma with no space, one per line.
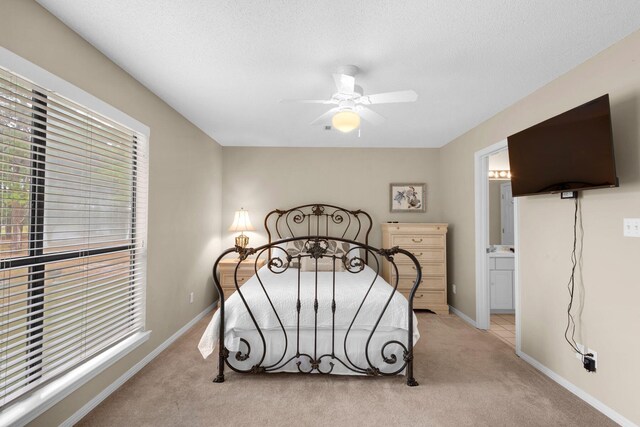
80,413
463,316
615,416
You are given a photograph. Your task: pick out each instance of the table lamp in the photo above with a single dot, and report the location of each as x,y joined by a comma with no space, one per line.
241,223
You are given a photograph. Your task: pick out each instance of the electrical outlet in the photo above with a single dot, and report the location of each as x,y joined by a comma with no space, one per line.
191,298
585,350
631,227
453,288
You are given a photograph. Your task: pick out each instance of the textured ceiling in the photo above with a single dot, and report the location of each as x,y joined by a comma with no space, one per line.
225,64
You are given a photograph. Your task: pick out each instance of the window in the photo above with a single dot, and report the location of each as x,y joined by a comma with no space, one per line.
73,198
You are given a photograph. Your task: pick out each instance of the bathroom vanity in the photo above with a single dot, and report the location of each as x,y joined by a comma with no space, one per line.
501,281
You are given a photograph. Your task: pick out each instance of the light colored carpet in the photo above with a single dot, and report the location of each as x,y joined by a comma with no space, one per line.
467,377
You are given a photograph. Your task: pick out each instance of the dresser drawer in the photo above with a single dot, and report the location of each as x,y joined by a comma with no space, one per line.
430,297
408,240
228,285
406,283
227,279
427,299
246,270
431,269
423,255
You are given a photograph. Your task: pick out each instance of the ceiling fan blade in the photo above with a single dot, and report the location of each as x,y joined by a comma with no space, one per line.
370,115
389,97
325,118
307,101
344,82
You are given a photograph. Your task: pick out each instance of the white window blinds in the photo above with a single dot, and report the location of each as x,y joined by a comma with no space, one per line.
73,199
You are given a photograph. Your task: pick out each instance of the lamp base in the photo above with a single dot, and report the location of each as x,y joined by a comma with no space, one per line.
242,241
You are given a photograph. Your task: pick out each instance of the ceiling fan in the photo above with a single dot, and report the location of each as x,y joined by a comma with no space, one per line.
351,102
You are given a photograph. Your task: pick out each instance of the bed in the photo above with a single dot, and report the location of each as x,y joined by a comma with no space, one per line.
319,304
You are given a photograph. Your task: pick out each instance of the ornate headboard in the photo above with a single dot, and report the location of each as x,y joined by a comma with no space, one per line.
318,219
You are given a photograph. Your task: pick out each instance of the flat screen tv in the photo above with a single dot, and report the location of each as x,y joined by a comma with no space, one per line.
569,152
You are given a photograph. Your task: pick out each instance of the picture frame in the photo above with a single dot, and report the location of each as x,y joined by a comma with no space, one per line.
408,197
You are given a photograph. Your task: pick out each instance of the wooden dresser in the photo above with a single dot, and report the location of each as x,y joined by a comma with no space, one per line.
428,243
226,267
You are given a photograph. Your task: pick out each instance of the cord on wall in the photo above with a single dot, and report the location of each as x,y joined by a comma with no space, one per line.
588,360
571,324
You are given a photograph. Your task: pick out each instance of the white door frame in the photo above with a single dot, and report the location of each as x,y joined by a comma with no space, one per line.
483,296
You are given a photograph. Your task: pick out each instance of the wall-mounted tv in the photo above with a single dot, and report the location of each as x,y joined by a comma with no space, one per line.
569,152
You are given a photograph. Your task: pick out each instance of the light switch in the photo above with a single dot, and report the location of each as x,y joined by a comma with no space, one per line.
632,227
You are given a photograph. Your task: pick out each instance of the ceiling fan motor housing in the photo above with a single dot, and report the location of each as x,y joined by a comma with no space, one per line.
349,70
347,104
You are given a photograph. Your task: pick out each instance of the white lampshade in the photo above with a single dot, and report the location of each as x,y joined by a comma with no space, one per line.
345,121
241,222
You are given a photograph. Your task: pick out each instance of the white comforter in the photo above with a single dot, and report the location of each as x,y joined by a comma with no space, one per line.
282,289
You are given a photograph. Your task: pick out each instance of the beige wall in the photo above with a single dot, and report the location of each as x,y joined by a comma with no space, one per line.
495,221
262,179
185,171
610,318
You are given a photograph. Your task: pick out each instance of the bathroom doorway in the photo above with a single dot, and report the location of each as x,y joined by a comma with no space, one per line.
501,251
496,240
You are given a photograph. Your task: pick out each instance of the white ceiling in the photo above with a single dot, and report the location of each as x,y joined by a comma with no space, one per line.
225,64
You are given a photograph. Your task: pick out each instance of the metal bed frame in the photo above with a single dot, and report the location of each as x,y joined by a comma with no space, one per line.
314,226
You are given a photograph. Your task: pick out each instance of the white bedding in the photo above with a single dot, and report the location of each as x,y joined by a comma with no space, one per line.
282,289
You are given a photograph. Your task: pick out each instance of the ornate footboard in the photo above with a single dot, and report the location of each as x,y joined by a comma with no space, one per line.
319,297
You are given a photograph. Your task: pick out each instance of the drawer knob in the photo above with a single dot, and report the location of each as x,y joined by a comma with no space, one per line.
420,254
416,240
414,267
419,296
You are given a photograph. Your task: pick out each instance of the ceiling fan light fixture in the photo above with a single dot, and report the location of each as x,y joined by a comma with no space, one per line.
346,121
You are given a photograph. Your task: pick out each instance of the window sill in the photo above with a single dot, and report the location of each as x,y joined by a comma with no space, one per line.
25,410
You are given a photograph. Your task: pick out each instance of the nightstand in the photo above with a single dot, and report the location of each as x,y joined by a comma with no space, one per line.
246,270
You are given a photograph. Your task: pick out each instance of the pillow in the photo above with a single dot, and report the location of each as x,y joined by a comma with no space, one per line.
324,264
355,251
340,248
292,248
334,247
337,248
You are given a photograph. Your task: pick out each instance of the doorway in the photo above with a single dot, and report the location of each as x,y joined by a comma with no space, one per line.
497,297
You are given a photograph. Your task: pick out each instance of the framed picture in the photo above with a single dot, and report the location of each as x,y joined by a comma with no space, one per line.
408,197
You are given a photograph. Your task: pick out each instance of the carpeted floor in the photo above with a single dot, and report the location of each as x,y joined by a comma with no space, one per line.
467,377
